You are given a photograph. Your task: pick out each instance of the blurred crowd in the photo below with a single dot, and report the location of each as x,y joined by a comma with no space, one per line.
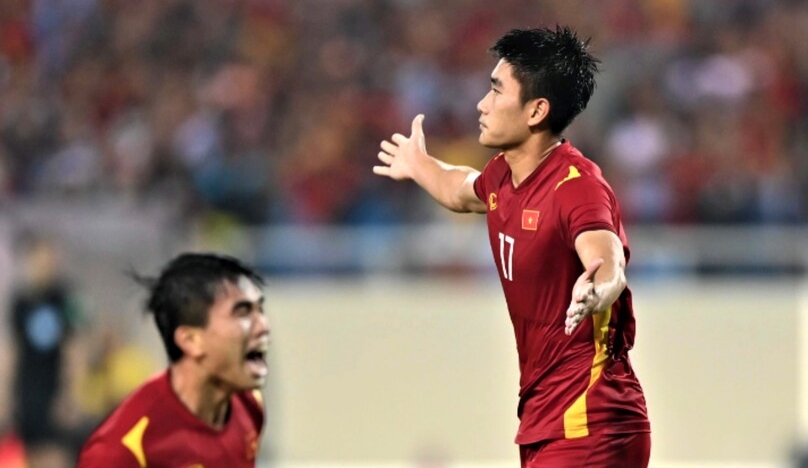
271,111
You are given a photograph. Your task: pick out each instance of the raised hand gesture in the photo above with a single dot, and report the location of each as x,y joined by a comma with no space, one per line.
399,155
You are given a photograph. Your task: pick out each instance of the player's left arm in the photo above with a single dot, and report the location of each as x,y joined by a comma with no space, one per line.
604,278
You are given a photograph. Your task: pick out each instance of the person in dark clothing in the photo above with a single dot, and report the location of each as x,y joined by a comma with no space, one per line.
44,318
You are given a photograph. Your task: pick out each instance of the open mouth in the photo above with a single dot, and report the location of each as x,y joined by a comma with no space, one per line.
255,355
256,361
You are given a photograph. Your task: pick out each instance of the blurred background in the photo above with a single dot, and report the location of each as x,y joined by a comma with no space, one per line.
131,131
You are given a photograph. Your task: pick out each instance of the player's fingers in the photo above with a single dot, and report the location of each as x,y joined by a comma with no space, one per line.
399,139
576,310
385,158
388,147
582,291
381,170
575,319
418,125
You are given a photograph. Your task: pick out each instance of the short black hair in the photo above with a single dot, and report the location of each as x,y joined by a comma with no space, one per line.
551,64
185,290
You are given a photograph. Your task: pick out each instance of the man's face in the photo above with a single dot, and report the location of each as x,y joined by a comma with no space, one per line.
503,118
236,338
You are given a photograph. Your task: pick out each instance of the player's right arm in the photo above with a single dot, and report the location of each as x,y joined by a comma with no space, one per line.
406,158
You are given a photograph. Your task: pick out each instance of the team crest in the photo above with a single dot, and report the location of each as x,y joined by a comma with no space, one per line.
492,201
530,220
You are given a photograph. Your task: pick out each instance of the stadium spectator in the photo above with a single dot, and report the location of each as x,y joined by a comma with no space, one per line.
46,316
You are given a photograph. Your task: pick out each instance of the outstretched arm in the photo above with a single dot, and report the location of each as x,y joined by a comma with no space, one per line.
601,253
406,158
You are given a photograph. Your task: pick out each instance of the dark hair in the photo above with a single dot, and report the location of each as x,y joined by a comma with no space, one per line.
185,290
551,64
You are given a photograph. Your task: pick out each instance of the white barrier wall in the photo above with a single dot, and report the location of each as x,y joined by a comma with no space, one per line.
396,371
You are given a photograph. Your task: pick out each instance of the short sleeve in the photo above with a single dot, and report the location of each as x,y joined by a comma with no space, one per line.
479,187
585,204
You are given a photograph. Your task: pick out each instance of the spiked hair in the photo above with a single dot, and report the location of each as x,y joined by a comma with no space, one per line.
551,64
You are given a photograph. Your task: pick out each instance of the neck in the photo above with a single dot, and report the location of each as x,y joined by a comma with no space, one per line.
524,160
203,398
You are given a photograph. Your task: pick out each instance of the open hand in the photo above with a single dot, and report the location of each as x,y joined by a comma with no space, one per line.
399,154
585,299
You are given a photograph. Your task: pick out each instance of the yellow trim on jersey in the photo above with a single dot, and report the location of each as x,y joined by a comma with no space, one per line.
259,398
572,175
575,419
133,440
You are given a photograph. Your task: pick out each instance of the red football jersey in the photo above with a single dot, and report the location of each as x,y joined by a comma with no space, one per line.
570,386
152,428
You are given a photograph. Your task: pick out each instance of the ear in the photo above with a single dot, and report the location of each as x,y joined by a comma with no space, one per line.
189,340
538,110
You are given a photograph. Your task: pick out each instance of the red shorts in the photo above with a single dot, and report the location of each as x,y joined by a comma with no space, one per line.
595,451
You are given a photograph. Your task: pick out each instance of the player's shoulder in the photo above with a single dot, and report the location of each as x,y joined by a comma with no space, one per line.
143,402
492,176
573,169
572,156
496,167
117,441
152,392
